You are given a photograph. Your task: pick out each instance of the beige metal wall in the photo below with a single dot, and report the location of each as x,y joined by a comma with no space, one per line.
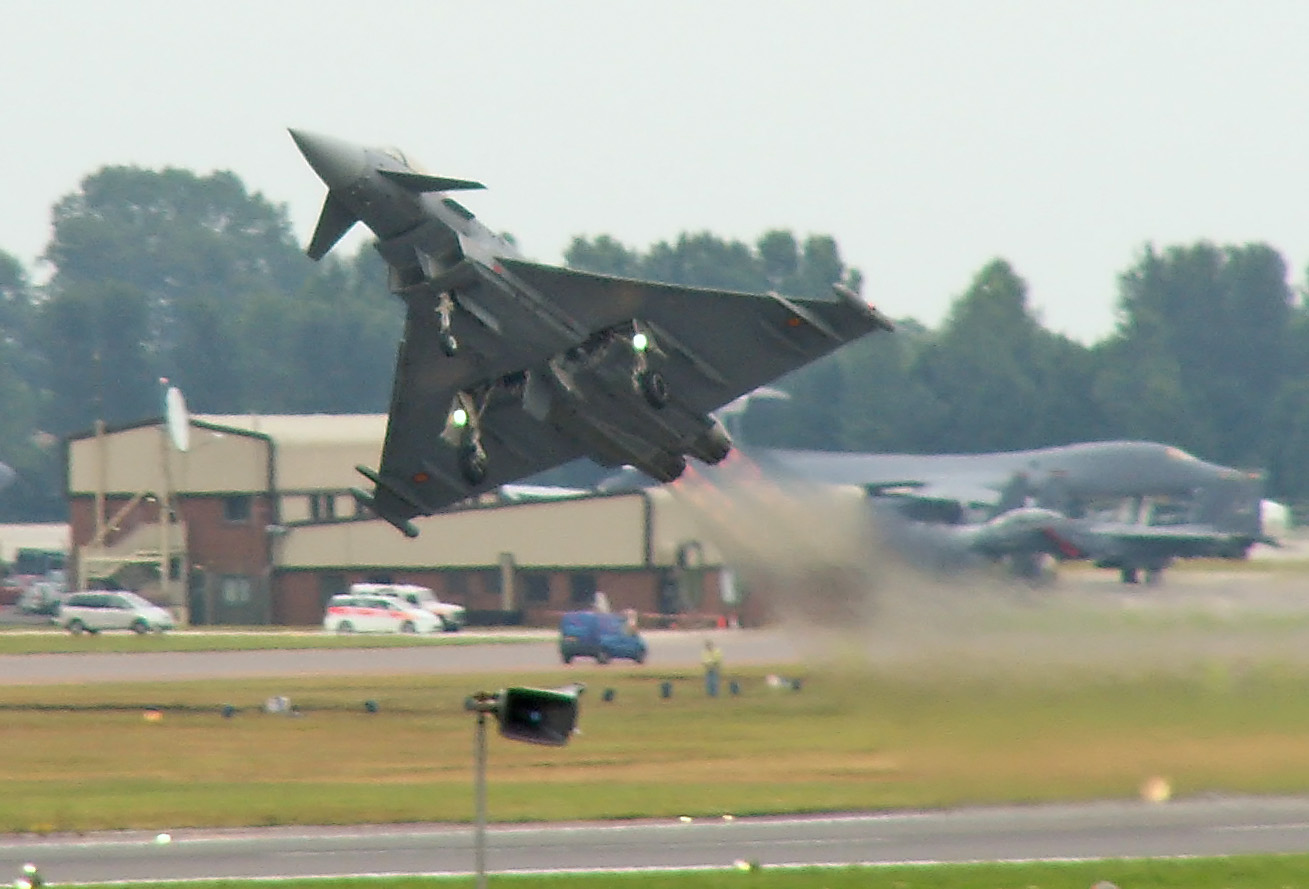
325,466
315,452
131,461
762,521
587,532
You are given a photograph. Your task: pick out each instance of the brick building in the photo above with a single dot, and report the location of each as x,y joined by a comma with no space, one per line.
263,530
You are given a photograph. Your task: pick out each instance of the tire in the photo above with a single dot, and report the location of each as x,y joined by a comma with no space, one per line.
568,658
602,657
653,387
408,627
640,658
345,627
140,627
449,345
76,627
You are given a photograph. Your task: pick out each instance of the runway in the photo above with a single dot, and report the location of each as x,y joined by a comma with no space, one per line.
1061,832
540,652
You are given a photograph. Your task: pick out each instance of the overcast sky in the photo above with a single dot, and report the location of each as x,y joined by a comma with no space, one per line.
926,137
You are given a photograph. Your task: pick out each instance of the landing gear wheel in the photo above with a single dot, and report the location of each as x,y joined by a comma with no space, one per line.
473,463
654,387
444,338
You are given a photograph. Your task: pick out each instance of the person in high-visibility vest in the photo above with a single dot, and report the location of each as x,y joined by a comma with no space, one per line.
713,666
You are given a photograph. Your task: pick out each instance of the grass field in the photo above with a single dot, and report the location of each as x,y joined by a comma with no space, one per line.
85,758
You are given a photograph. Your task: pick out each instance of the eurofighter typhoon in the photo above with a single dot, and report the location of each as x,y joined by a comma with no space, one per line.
508,367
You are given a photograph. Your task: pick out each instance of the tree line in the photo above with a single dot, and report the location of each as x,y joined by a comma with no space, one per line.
172,274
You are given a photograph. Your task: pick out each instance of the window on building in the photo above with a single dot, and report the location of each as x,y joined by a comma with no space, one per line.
536,589
491,581
236,508
456,585
322,507
235,590
581,589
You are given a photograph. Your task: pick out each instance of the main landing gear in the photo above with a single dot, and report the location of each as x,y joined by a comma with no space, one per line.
473,462
652,385
445,338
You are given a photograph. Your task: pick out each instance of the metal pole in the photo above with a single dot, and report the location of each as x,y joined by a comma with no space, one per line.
479,795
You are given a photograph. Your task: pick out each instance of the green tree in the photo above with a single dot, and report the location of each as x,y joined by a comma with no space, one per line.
331,347
1216,319
34,496
154,272
997,378
604,256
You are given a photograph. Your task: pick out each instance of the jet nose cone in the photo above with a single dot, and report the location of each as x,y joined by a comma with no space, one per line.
337,162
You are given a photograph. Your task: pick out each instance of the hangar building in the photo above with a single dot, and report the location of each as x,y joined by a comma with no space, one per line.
263,530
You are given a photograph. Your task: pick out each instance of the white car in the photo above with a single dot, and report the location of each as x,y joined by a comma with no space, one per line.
451,616
376,614
95,610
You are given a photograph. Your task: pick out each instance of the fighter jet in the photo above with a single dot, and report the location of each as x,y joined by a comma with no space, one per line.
1134,506
509,367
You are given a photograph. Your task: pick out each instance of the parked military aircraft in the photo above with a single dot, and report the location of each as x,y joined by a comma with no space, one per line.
1130,505
508,367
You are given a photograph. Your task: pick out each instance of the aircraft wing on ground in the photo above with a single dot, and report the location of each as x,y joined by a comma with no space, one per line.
969,480
1146,543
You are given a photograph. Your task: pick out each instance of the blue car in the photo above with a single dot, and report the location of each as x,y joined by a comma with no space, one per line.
598,635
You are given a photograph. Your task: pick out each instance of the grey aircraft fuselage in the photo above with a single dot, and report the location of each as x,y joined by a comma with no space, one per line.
1040,501
947,510
509,367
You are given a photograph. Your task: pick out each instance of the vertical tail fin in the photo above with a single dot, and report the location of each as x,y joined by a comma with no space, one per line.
335,220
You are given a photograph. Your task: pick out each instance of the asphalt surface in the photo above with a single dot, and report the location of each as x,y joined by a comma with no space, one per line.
538,652
1105,830
911,624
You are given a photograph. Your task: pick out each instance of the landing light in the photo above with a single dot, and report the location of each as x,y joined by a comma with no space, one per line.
640,342
459,418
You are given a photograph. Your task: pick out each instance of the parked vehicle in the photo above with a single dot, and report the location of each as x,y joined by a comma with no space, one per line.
96,610
41,597
376,614
599,635
451,616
